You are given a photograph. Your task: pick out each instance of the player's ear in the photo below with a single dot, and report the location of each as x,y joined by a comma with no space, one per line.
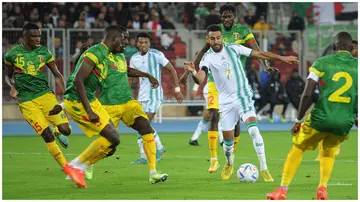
351,47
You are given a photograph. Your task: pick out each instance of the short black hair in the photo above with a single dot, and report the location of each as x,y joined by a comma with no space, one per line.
112,29
354,42
343,40
144,35
227,7
29,26
213,28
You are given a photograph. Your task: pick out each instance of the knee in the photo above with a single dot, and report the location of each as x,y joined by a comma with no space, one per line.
115,141
214,117
47,136
145,130
113,149
65,129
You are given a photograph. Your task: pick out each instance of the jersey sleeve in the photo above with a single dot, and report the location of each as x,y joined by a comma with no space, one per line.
8,59
205,62
91,58
132,63
242,50
161,59
249,38
316,68
50,60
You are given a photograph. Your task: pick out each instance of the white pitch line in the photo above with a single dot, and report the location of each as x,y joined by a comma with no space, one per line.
170,156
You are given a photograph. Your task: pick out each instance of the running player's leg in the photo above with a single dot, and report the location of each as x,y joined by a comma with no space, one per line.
228,120
307,139
100,148
236,136
59,122
249,118
202,127
142,125
285,105
271,110
33,114
150,107
329,149
213,132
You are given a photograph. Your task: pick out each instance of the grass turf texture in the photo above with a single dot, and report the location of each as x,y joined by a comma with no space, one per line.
29,172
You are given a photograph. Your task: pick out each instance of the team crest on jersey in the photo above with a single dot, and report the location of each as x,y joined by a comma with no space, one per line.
40,58
236,35
225,65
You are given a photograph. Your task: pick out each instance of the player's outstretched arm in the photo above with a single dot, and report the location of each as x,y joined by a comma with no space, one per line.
183,79
198,77
263,63
305,103
80,77
273,56
136,73
178,95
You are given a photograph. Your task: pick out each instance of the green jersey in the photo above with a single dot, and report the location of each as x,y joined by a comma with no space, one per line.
96,58
115,89
238,34
336,109
30,71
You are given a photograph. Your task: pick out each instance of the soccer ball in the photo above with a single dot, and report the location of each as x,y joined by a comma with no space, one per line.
248,173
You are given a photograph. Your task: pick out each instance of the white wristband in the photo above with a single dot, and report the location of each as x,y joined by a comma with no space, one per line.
194,73
196,87
298,121
62,105
177,89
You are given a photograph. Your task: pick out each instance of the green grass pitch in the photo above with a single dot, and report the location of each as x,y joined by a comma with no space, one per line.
29,172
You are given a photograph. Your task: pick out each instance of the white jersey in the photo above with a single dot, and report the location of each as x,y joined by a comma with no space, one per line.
150,63
229,76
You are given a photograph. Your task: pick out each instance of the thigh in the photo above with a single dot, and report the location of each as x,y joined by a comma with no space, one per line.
49,102
213,96
115,112
133,111
33,114
229,118
333,141
78,114
308,138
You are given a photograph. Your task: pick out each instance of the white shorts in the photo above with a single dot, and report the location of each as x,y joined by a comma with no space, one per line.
151,106
231,113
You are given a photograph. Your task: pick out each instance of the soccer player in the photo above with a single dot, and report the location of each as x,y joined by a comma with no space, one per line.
151,61
116,97
27,64
332,118
235,94
238,34
354,53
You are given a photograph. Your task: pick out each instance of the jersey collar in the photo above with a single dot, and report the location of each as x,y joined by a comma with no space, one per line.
344,51
104,45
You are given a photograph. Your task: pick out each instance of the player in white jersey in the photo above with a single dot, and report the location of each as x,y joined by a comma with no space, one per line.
151,61
204,122
235,94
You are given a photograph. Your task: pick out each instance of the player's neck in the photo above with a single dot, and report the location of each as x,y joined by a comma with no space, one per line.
221,48
27,47
144,53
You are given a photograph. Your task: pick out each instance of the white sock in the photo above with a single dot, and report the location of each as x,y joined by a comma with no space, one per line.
202,127
259,146
221,137
76,163
228,151
159,145
141,147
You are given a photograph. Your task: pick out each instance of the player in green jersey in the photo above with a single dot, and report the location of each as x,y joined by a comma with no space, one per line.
332,118
82,105
27,64
238,34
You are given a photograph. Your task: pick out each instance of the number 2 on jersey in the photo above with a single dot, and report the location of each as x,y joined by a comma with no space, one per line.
336,96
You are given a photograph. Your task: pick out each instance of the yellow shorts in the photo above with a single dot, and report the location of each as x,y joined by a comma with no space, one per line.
127,112
213,96
36,112
309,138
77,112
